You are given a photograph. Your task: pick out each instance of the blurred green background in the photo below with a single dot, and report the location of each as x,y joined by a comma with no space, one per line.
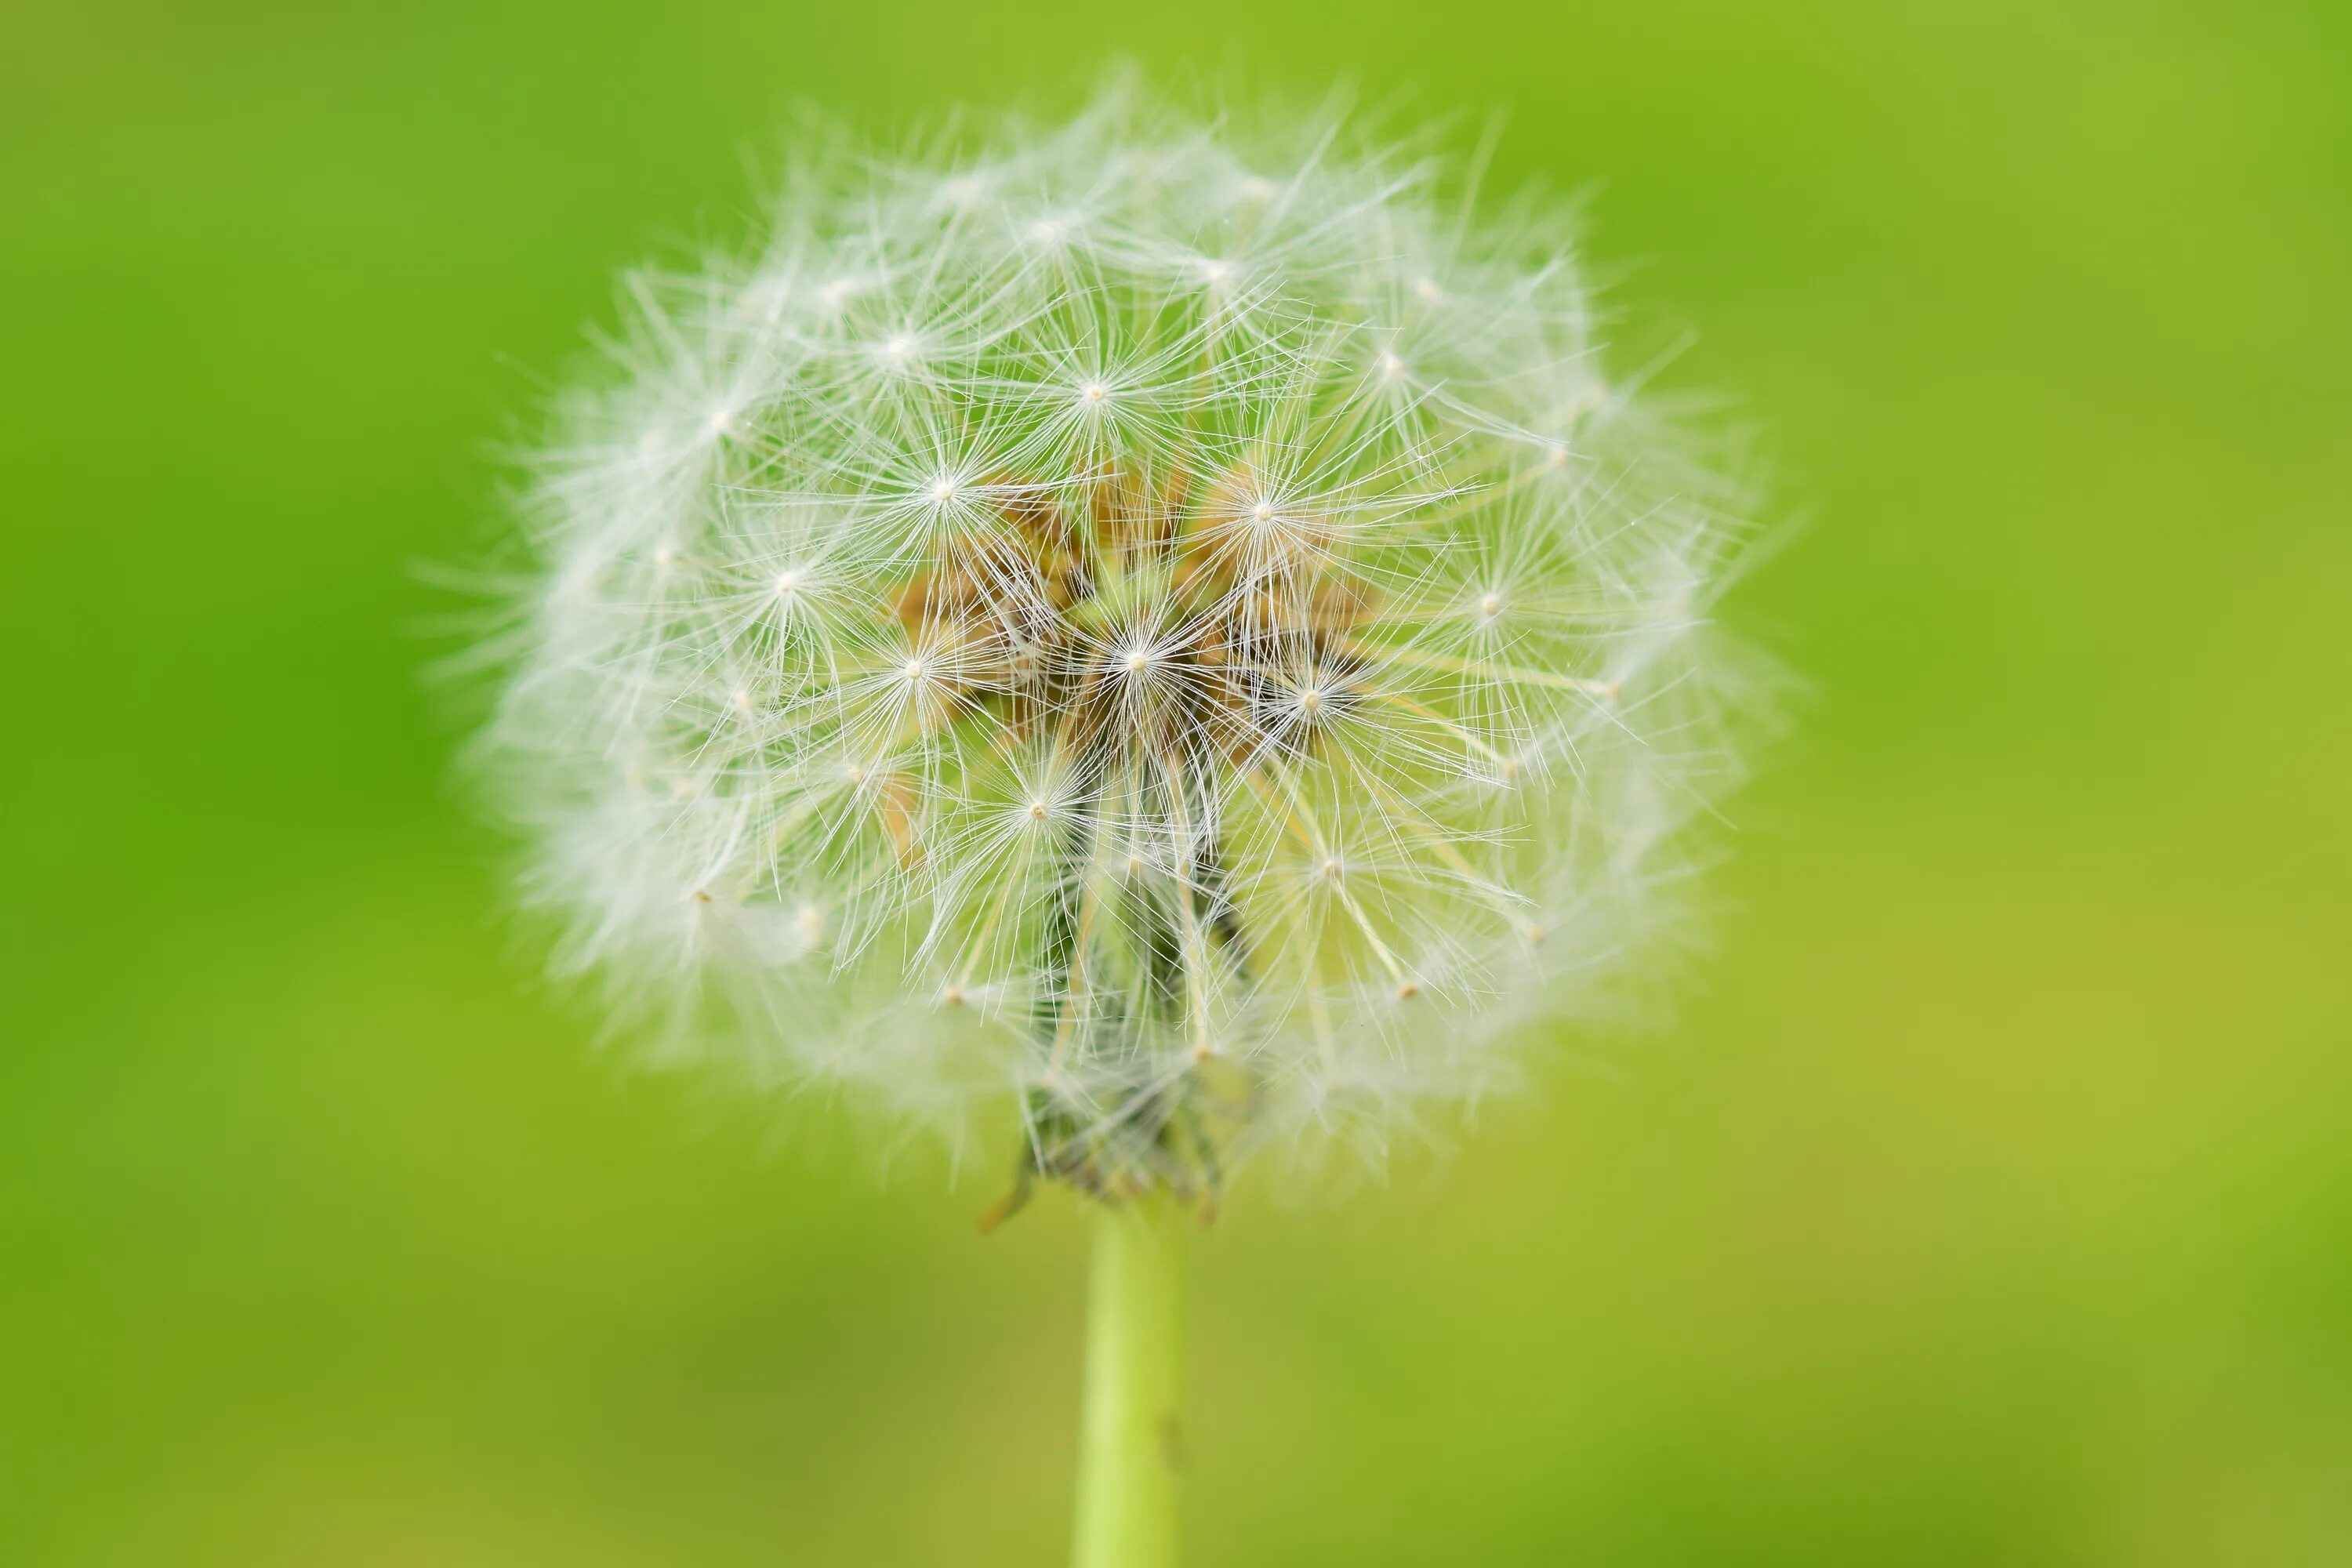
1992,1202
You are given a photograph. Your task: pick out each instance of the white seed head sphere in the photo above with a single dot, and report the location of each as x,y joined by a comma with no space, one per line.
1176,638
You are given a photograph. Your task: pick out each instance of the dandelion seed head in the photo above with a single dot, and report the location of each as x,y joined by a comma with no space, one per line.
1059,678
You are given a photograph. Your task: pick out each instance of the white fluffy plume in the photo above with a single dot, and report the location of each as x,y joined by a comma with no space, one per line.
1173,634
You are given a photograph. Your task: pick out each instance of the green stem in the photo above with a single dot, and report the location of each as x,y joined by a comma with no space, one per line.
1131,1434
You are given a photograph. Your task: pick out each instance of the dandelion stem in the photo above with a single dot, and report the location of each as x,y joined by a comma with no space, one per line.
1129,1443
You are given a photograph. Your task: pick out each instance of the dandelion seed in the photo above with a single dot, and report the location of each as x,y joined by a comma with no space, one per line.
1116,719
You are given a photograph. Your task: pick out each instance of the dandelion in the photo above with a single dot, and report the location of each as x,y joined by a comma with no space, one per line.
1178,641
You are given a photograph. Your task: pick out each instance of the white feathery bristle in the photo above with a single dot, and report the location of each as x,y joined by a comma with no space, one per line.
1190,646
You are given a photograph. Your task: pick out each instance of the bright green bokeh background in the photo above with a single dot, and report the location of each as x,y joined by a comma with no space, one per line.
1992,1203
